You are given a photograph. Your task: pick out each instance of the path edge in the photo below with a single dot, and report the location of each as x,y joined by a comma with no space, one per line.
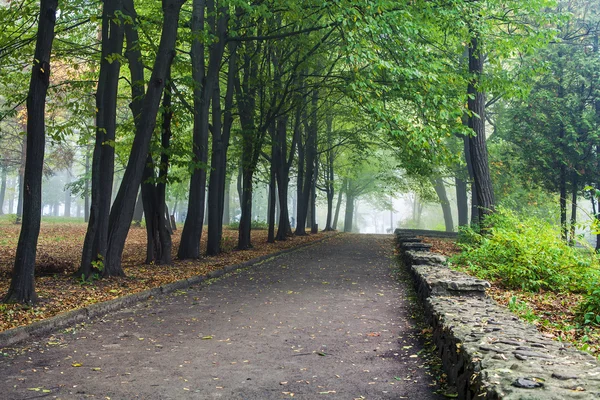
14,336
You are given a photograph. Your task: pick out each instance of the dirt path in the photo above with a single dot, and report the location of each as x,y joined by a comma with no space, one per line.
327,321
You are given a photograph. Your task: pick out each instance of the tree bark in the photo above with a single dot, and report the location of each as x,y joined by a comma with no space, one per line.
285,159
67,196
349,215
339,203
477,143
221,133
2,189
22,285
304,199
272,187
574,192
86,187
122,211
462,201
96,238
138,211
440,189
21,179
329,176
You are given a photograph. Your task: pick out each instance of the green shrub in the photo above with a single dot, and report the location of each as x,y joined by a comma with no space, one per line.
257,225
522,252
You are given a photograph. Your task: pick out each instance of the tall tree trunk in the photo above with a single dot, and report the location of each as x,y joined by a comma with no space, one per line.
86,187
563,201
462,201
96,238
221,133
227,201
477,143
314,228
310,155
158,224
286,157
68,196
329,176
138,211
339,203
191,234
22,285
21,179
124,204
596,48
440,189
2,189
272,187
252,138
349,215
11,198
574,192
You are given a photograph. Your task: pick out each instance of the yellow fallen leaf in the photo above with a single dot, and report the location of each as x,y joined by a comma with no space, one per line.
76,364
207,337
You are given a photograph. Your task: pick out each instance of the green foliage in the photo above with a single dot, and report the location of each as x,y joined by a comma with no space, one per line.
256,225
523,252
590,306
522,309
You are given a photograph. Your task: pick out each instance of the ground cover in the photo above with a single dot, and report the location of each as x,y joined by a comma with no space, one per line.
556,314
59,252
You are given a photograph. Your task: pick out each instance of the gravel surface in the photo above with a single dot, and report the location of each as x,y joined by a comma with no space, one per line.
326,321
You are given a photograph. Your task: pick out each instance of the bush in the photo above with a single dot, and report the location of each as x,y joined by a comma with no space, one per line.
521,252
257,225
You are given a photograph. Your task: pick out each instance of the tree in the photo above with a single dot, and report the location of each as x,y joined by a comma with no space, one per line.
22,287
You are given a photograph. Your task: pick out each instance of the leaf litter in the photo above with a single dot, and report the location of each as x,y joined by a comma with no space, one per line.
59,255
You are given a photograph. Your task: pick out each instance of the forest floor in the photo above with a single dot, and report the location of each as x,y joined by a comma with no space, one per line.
553,313
59,255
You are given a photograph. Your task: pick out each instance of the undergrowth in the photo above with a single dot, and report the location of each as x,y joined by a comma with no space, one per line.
527,253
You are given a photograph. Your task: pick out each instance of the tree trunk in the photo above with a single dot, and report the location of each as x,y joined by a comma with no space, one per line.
304,199
285,160
221,133
95,243
349,215
574,192
158,224
477,143
191,234
440,189
329,176
21,179
252,138
68,196
227,201
563,201
22,285
2,190
122,211
11,196
138,211
86,187
462,201
339,203
272,187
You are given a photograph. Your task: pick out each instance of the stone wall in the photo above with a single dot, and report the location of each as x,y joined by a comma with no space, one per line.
487,352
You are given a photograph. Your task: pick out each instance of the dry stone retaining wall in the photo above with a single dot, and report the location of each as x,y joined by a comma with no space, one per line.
487,352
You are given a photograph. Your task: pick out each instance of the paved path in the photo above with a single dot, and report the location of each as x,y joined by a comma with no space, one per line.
325,322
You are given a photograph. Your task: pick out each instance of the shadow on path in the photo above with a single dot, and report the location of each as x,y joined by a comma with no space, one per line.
326,321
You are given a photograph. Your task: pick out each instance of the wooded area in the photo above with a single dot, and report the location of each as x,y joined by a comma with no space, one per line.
163,107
